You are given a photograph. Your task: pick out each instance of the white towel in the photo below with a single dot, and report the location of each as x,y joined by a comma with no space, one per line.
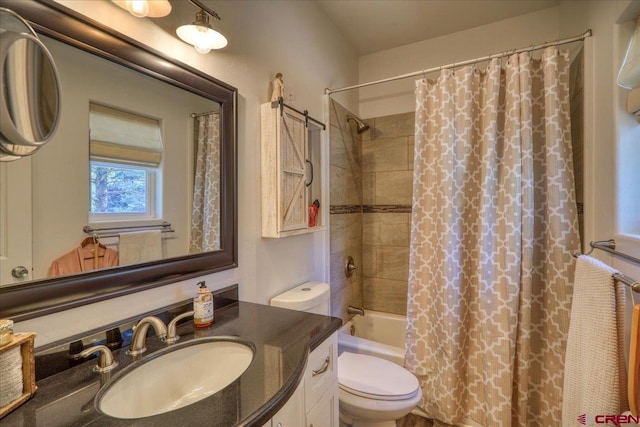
140,246
594,370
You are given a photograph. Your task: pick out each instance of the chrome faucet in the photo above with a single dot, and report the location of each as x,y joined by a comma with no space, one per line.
138,345
172,336
355,310
105,359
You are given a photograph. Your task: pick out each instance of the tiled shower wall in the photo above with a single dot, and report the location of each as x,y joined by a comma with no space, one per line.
387,166
345,198
371,181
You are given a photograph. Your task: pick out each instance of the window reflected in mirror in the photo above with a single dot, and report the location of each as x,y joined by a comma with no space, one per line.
125,154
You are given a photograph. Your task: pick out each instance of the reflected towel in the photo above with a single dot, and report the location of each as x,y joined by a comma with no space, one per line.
595,373
140,246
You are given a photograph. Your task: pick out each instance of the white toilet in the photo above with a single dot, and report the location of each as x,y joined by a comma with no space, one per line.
373,392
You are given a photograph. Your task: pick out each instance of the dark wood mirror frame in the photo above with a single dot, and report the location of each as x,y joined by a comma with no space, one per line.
42,297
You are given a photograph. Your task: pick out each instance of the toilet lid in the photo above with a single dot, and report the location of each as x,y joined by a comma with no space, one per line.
375,378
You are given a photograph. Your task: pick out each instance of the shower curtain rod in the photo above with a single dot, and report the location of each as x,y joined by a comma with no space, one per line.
581,37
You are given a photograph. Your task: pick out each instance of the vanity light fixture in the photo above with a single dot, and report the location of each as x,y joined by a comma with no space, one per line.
145,8
200,33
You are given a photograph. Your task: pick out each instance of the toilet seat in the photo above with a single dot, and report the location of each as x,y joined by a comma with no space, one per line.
375,378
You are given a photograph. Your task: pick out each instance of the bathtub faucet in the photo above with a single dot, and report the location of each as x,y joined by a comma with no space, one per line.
355,310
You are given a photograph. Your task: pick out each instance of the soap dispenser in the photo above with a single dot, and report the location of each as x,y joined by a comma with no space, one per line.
203,307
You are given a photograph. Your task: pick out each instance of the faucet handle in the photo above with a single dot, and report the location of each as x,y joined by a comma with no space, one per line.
172,335
105,360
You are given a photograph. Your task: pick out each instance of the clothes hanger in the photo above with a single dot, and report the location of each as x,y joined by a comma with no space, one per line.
93,240
95,250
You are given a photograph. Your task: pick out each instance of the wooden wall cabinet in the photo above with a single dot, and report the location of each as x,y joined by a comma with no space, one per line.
291,156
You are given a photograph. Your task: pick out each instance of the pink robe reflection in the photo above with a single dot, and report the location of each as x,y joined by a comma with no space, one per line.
82,259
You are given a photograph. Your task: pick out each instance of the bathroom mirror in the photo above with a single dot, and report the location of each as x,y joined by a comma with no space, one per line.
64,31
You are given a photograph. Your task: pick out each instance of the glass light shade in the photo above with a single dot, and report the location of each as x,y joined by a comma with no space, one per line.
202,38
629,75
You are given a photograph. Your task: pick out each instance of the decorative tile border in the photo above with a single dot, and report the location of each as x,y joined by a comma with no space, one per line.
386,209
345,209
349,209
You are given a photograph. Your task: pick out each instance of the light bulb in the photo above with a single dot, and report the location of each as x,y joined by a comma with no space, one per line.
201,40
138,8
202,49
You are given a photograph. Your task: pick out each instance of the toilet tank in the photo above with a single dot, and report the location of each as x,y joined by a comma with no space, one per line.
312,297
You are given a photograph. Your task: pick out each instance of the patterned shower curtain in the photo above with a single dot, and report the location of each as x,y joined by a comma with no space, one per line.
494,225
205,215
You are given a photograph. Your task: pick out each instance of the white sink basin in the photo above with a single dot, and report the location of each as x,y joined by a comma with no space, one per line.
175,377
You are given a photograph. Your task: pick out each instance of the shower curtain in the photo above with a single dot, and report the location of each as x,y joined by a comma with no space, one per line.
205,215
494,224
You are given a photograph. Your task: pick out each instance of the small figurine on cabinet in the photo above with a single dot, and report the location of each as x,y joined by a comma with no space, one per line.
278,88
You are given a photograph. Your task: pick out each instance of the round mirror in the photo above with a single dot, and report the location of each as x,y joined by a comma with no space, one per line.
30,95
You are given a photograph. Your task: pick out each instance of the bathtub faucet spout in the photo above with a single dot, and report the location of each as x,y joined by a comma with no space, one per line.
355,310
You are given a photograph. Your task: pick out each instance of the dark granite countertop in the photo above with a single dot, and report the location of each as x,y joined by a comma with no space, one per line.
282,338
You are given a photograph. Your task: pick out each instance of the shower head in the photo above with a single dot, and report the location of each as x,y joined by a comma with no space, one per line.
362,127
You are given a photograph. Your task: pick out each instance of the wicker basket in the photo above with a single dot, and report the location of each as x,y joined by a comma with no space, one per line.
19,351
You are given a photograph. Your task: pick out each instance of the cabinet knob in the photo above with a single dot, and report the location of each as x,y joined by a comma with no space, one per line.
279,425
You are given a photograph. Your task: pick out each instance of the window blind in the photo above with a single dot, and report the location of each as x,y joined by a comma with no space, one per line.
122,136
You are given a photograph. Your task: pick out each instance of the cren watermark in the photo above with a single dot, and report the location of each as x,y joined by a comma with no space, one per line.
587,420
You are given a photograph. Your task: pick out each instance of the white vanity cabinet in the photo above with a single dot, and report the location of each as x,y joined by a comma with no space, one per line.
321,385
292,413
315,401
325,411
290,172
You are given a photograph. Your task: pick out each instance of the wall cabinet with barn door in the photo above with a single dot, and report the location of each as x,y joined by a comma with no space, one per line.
291,168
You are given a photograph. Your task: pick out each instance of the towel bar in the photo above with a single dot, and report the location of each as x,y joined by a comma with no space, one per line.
165,227
610,246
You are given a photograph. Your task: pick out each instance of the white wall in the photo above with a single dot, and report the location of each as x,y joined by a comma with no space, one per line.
292,37
608,128
398,97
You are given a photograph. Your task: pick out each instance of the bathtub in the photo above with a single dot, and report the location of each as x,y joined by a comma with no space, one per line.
376,334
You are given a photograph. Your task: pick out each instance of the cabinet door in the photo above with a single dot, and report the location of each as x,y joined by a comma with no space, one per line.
292,413
322,370
325,412
293,153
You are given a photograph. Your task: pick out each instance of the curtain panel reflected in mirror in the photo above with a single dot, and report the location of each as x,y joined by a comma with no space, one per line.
205,215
